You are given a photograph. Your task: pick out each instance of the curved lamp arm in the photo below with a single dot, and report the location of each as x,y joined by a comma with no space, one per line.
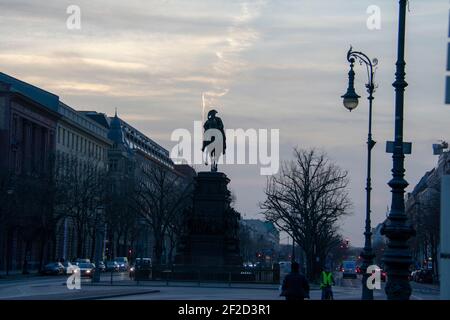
371,65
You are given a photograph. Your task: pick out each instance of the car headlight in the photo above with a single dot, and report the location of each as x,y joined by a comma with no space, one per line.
88,271
132,269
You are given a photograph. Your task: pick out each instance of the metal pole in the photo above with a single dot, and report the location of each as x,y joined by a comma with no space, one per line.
397,257
367,253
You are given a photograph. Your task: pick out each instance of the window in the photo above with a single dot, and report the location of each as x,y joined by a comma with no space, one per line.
64,137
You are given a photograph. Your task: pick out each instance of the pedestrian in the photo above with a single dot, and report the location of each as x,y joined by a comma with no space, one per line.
326,283
295,286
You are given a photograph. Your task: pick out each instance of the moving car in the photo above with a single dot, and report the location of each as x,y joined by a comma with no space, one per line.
82,260
86,269
122,262
53,268
349,269
68,267
142,267
111,266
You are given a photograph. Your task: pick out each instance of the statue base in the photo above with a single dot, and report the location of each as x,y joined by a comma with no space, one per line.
211,238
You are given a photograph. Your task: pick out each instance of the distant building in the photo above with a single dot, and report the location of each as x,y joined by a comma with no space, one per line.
422,206
262,240
43,141
81,145
130,154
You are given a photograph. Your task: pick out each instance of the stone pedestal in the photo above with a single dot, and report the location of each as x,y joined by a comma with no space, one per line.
211,237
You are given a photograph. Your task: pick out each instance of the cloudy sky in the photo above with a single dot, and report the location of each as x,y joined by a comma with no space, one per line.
274,64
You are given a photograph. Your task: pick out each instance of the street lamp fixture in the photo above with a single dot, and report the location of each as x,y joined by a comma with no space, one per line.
351,102
351,97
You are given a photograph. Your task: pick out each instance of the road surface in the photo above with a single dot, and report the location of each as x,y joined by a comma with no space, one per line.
54,288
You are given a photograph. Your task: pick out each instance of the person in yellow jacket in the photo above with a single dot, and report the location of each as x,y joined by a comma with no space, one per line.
326,282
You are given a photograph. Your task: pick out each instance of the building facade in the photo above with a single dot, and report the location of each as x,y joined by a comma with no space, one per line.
67,177
422,206
132,153
82,147
28,121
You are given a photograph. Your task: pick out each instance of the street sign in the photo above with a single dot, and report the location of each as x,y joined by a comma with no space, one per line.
407,147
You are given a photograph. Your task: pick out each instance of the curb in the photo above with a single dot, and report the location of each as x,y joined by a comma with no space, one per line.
116,295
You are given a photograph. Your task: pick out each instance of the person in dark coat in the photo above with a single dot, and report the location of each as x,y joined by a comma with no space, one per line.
295,286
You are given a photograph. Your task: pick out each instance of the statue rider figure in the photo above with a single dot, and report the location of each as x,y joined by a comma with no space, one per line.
213,122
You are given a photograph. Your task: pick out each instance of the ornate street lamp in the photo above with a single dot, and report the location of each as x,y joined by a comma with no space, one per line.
350,97
397,257
351,102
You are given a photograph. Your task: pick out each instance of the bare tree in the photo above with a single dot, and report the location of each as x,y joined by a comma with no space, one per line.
306,199
160,198
81,183
121,217
425,217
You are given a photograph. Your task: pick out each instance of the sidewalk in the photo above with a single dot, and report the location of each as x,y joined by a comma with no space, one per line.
89,294
163,283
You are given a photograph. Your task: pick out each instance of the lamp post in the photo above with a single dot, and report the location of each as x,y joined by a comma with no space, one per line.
397,257
351,102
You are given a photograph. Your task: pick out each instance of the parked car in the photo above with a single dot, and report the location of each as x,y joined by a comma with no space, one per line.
53,268
86,269
111,266
122,262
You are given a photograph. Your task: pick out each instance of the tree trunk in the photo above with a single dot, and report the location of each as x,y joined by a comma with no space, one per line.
118,248
41,251
94,234
54,257
79,243
157,254
125,242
